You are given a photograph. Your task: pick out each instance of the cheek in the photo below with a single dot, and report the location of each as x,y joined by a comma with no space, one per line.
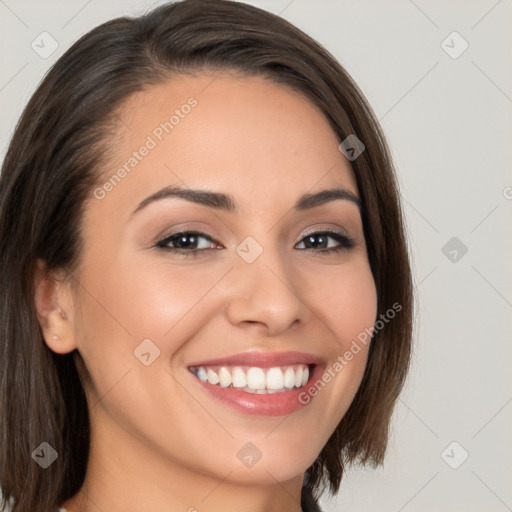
137,299
347,306
168,301
130,302
345,300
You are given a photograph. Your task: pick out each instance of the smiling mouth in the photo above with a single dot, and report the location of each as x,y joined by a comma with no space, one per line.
254,379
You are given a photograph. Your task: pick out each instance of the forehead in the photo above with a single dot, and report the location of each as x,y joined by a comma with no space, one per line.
247,136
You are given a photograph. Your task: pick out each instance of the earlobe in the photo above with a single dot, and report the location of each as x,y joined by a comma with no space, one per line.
53,308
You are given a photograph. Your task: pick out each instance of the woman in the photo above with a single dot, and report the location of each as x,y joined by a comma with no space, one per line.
207,298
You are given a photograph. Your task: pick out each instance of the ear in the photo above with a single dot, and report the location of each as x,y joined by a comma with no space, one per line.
54,308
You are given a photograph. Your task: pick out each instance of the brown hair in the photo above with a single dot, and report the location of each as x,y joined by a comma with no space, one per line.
53,163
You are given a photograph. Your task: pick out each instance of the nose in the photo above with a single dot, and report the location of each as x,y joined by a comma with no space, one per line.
266,294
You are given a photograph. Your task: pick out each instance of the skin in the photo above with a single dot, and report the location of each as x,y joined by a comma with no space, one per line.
159,442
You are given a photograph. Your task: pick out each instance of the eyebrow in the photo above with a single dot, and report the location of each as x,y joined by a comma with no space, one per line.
227,203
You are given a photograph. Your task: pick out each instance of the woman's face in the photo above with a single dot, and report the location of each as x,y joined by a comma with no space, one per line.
261,282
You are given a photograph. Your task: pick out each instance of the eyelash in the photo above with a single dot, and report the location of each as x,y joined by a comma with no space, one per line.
344,241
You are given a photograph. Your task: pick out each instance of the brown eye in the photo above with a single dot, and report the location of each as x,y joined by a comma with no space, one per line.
185,242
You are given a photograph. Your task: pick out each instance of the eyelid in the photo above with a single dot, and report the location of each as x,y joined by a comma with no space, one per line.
187,228
339,231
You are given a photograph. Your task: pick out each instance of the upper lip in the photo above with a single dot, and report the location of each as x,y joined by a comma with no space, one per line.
262,359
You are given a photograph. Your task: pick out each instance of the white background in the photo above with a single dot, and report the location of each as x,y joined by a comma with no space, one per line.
448,121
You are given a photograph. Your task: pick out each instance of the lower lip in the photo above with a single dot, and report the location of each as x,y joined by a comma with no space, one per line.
275,404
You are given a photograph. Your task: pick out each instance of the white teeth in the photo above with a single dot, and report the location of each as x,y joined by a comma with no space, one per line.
275,378
201,373
298,376
289,378
213,378
255,380
239,379
224,377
